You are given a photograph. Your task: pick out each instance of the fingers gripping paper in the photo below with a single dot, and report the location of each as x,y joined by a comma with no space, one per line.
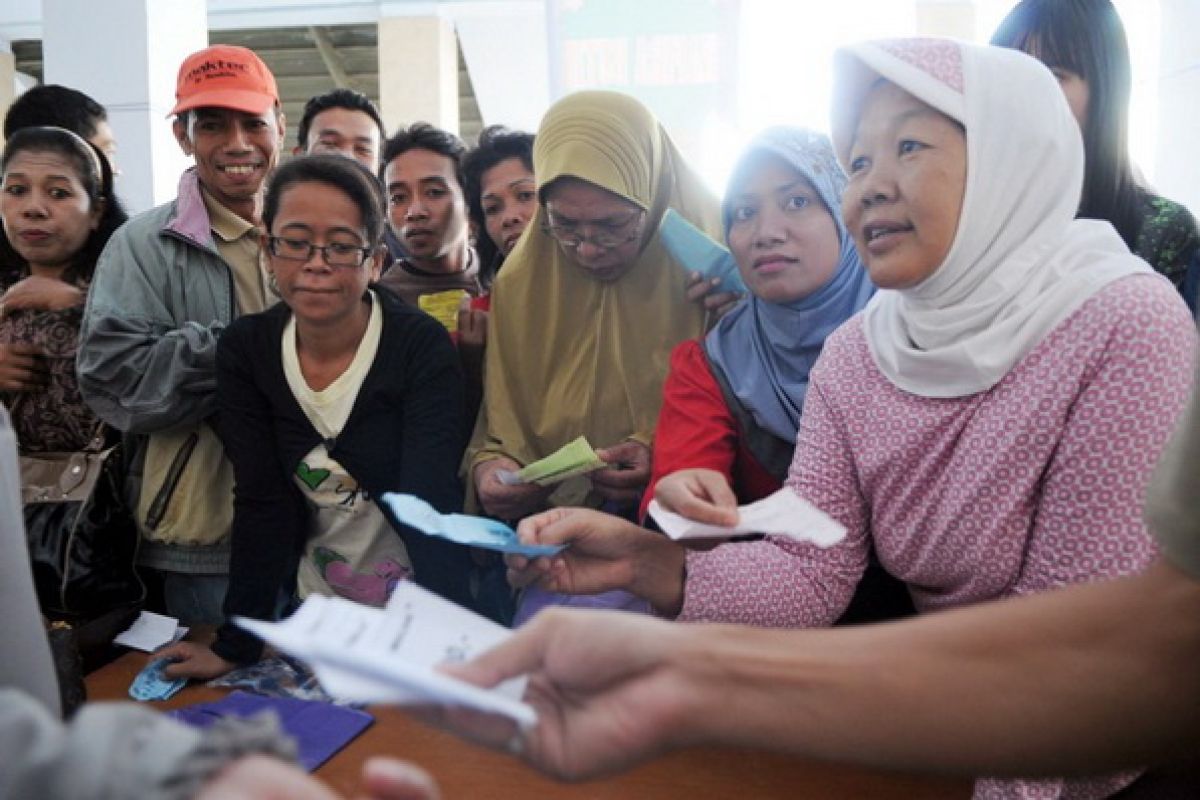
575,458
784,513
387,655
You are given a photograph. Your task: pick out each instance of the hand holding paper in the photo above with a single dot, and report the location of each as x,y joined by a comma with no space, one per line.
782,514
697,252
388,655
574,458
152,684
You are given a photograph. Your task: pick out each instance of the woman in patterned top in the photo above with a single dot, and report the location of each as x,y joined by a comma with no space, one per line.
1083,44
58,210
990,422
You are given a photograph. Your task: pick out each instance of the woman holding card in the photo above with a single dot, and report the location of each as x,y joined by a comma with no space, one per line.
990,422
588,306
336,395
732,400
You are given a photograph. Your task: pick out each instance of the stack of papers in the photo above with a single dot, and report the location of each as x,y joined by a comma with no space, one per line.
151,631
576,458
784,513
387,655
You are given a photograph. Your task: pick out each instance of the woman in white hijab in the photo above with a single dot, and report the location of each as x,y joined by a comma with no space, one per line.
989,423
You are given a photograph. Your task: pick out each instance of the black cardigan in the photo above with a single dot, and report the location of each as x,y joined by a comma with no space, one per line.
404,434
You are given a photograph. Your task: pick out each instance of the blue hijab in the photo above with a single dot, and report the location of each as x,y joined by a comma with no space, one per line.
766,350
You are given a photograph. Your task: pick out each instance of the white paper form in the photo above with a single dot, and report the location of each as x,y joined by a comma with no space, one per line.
387,655
781,514
150,631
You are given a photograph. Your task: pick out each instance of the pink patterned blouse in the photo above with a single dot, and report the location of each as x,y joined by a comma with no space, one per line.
1035,483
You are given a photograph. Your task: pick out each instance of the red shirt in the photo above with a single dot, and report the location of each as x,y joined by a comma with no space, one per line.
696,429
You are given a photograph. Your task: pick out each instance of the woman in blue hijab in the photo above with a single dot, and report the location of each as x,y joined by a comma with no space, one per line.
732,401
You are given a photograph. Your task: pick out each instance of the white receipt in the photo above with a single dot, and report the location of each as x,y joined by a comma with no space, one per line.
782,514
387,655
150,631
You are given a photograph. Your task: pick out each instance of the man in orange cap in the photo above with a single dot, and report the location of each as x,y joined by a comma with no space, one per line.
165,287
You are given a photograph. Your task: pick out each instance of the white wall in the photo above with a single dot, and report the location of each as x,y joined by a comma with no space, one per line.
504,45
1177,173
140,44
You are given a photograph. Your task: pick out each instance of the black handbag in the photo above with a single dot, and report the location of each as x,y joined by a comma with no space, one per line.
82,536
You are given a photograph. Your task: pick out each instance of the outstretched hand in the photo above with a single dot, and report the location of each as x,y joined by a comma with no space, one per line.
605,686
604,553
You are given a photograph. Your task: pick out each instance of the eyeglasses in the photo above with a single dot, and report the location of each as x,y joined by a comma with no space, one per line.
336,254
608,235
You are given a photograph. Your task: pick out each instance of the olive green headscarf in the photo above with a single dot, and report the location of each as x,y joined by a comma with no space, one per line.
568,355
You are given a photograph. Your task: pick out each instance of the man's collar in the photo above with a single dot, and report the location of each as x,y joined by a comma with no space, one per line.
225,224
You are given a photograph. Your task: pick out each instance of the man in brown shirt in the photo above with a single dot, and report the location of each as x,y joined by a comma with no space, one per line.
166,286
427,211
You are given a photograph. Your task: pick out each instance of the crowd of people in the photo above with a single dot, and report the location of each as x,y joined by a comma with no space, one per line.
965,335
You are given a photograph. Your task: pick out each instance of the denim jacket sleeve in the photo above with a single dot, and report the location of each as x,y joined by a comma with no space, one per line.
147,348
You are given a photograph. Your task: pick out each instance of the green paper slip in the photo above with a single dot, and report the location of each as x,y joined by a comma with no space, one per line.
572,459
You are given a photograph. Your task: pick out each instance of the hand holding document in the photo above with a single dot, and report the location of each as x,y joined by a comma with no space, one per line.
465,529
387,655
576,458
782,514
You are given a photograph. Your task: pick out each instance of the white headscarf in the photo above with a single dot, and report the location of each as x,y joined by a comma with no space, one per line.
1020,263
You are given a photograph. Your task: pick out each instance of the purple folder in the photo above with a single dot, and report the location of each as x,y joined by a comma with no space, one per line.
320,729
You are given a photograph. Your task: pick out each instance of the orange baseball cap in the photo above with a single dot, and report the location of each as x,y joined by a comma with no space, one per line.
225,76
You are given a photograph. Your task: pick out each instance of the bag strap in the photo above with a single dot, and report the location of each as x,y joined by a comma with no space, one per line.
99,436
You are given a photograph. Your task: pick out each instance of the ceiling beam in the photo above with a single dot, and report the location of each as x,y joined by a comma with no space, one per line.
330,57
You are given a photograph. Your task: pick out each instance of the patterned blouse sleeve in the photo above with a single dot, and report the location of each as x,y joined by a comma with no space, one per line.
777,582
1089,521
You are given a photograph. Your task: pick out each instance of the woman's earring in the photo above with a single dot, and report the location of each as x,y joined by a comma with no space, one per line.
273,284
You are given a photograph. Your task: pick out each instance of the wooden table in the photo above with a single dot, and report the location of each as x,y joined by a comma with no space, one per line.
467,771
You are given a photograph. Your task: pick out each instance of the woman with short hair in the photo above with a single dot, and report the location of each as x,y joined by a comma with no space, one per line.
337,394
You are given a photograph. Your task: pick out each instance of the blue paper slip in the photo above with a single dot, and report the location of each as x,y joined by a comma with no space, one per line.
462,528
320,729
151,685
696,251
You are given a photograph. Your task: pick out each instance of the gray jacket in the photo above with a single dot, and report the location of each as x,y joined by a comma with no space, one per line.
100,754
109,751
159,300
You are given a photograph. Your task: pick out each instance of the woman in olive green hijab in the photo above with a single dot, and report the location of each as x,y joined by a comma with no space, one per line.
589,305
